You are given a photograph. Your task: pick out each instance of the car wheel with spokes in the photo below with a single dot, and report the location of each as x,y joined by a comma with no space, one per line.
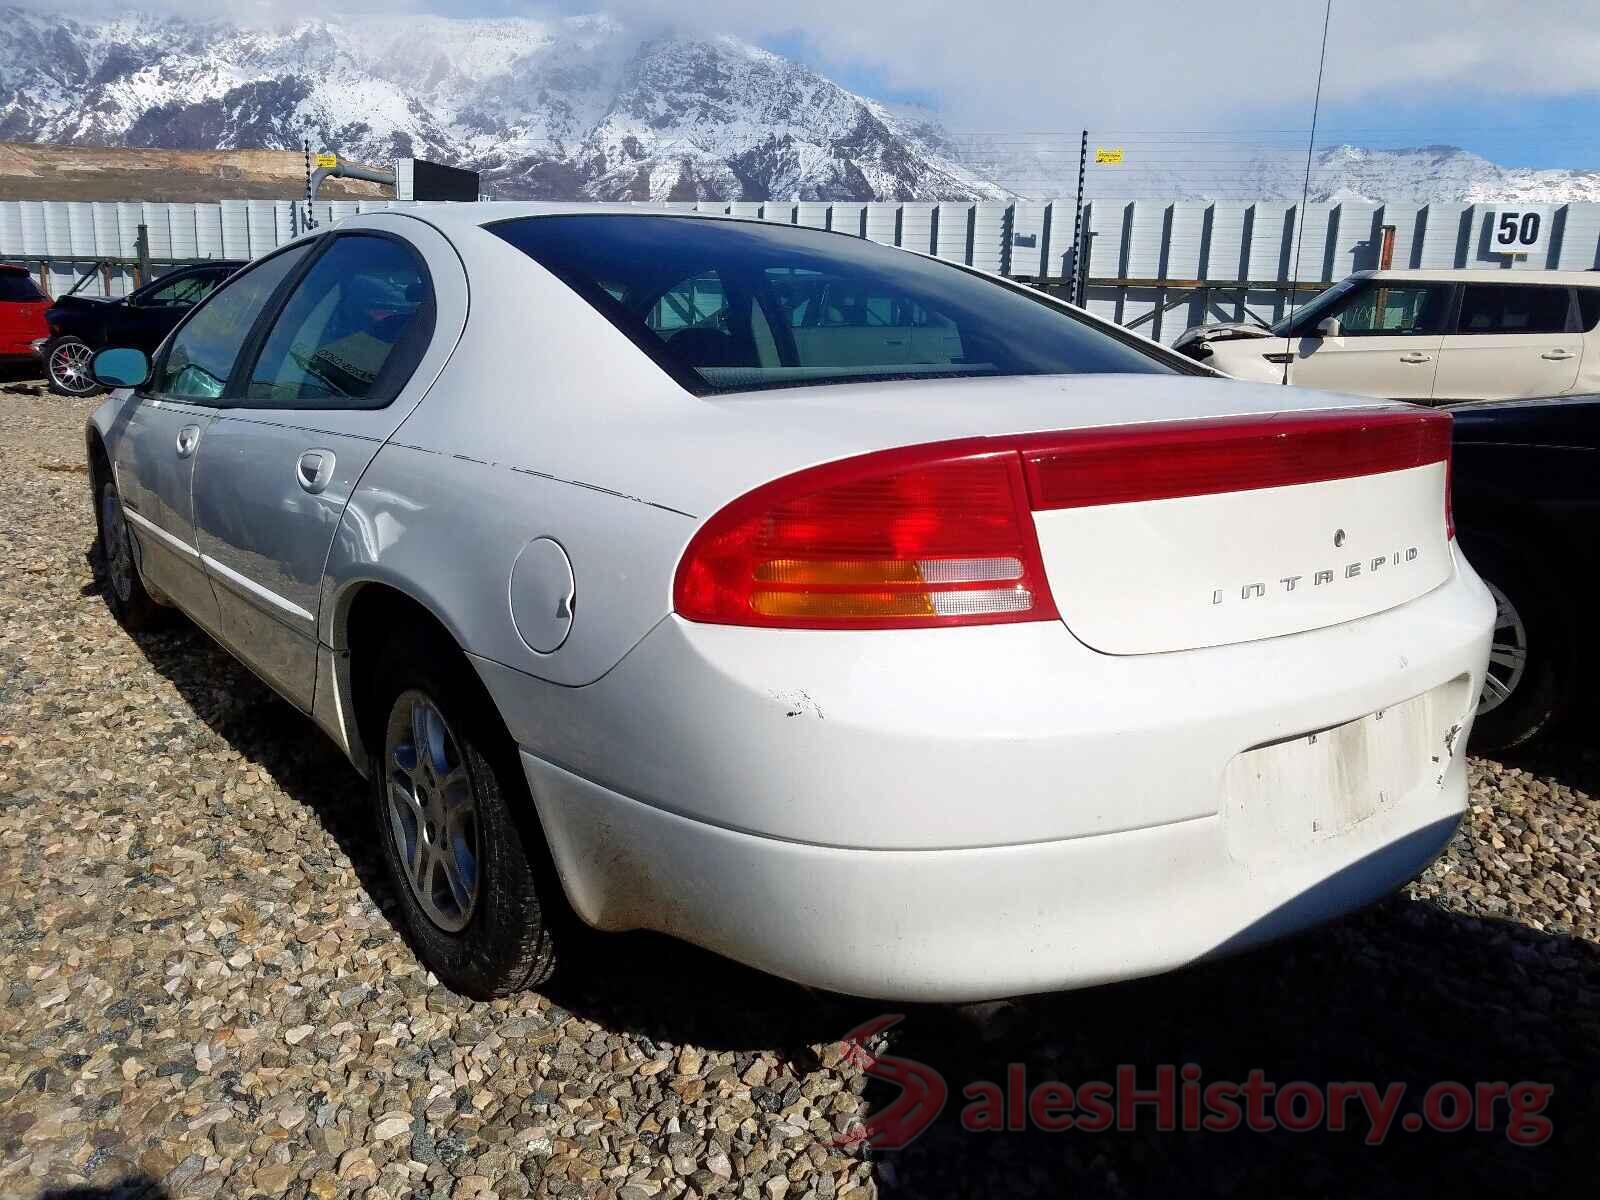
1529,678
461,841
123,589
66,367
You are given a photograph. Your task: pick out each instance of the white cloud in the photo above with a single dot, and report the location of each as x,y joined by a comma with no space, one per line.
1053,64
1155,64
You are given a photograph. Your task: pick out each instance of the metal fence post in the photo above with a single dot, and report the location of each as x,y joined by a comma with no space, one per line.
1077,218
141,250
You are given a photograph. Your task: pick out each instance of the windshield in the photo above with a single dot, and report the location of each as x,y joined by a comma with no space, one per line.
730,306
1308,314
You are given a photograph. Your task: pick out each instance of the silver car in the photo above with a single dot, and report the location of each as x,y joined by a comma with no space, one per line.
876,622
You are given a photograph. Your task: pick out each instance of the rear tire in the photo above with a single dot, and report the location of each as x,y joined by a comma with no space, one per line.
461,841
66,366
124,591
1534,629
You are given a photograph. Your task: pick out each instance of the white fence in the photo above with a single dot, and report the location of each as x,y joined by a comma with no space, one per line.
1143,258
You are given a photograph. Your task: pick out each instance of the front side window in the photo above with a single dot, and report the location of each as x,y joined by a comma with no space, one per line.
1509,308
1388,310
201,355
731,306
350,333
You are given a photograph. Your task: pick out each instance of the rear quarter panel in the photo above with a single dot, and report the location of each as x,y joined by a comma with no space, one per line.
446,529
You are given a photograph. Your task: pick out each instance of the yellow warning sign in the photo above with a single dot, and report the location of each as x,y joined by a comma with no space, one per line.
1109,156
329,161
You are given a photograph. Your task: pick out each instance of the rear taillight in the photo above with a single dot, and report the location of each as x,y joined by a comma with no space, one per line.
926,536
1169,459
943,534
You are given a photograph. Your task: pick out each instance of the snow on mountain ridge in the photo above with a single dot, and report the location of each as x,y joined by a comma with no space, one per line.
585,106
574,106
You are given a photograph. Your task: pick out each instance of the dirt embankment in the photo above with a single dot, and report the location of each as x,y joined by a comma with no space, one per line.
39,172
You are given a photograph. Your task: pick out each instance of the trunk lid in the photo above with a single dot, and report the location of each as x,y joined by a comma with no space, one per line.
1235,562
1300,525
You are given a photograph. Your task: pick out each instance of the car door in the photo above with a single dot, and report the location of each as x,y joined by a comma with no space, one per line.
1510,340
1388,342
328,378
161,426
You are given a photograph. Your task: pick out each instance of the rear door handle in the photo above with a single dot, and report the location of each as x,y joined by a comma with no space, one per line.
188,439
1415,357
1558,355
314,471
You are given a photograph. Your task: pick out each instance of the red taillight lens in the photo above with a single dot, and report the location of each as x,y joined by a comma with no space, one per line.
904,539
1166,460
944,535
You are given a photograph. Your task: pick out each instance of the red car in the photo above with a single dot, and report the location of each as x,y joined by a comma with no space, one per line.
22,307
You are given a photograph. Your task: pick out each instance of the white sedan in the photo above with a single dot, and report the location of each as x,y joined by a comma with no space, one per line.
879,623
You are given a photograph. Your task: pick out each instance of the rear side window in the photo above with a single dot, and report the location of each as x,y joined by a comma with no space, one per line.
201,355
184,292
731,306
19,285
1589,308
351,332
1510,308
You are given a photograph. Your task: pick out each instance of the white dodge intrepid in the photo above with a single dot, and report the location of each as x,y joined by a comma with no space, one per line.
867,619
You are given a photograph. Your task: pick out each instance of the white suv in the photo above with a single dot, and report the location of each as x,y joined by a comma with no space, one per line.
1434,337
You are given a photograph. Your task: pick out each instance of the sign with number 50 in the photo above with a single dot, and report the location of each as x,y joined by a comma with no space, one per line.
1523,230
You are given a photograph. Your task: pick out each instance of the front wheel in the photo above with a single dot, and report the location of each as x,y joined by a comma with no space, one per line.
66,366
124,591
461,841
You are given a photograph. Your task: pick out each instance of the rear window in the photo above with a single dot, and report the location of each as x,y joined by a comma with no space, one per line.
732,306
18,285
1507,308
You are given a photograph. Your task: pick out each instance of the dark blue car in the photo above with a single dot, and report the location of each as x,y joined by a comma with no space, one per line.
80,325
1527,505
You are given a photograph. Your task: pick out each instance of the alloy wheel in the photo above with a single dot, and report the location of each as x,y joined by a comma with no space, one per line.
69,368
1508,653
433,812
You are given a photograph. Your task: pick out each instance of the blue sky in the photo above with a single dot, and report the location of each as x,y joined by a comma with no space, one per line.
1517,81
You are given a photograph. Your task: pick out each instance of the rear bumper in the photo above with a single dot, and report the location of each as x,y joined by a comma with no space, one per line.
962,814
963,925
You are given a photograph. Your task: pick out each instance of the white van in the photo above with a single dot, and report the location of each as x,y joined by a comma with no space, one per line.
1434,337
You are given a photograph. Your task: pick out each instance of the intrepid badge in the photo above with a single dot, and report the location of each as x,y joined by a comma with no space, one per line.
1324,577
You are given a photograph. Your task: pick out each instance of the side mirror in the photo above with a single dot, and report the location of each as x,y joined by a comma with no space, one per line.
1329,327
120,367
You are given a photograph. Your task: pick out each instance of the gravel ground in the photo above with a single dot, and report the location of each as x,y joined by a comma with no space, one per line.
204,995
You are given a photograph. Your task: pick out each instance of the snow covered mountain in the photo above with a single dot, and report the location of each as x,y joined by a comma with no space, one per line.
589,107
568,108
1222,170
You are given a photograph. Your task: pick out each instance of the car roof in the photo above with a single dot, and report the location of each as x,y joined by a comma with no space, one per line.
13,269
1485,275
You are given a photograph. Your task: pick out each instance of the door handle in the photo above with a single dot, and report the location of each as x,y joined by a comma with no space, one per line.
188,439
314,471
1558,355
1414,356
